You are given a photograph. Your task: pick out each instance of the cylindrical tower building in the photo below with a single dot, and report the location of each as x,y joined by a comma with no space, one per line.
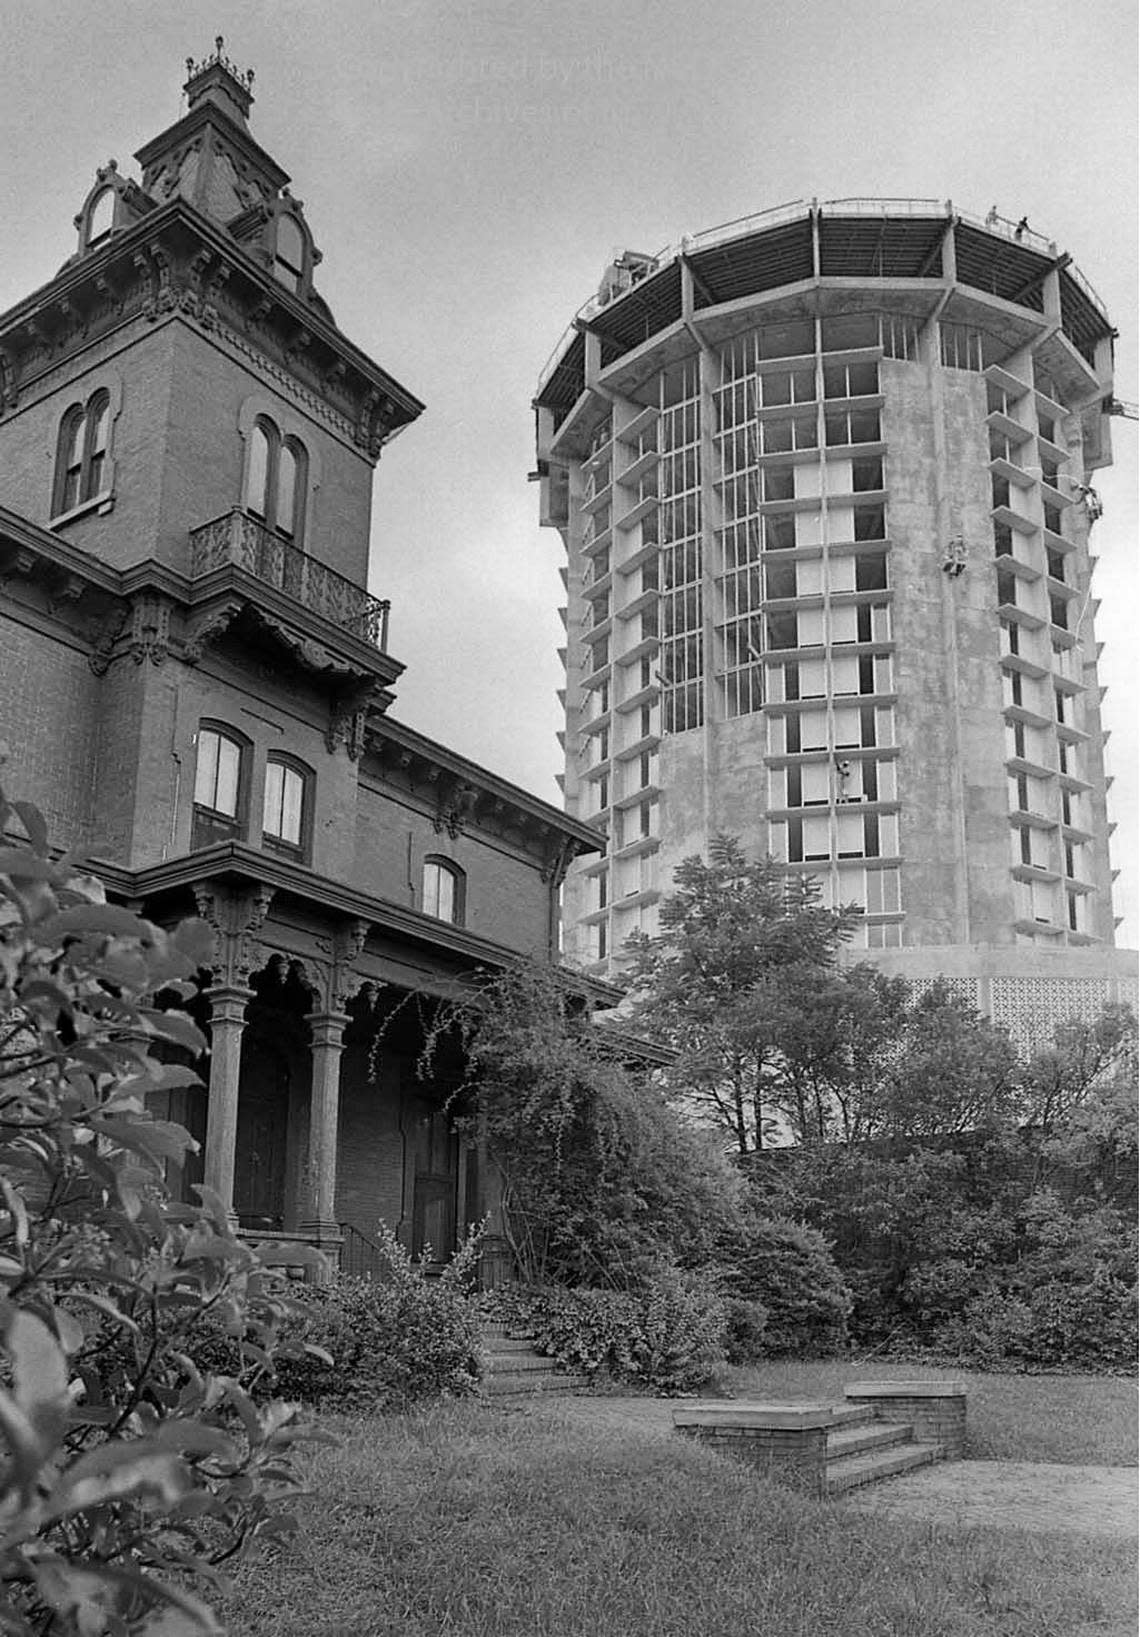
824,480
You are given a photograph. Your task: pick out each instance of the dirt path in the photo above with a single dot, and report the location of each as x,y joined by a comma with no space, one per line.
1038,1496
1084,1500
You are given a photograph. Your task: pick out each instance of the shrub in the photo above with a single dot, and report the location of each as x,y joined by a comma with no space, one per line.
789,1270
746,1325
391,1342
1067,1302
669,1336
127,1474
601,1180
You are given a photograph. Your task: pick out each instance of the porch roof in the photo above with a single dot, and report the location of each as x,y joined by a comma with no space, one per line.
168,887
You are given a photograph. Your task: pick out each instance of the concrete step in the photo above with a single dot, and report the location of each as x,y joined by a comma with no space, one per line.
508,1363
853,1415
503,1346
522,1383
852,1471
853,1440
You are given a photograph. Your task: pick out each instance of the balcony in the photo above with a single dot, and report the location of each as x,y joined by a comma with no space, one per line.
239,541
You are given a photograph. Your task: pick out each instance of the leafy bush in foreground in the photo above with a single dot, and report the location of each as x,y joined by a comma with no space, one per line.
125,1473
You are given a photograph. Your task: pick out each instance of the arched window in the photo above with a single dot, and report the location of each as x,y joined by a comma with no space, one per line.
81,472
287,805
220,784
443,890
289,254
100,217
276,479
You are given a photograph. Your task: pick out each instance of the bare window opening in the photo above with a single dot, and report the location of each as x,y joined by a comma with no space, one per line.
782,631
870,522
780,580
779,533
867,473
850,332
100,218
871,573
780,483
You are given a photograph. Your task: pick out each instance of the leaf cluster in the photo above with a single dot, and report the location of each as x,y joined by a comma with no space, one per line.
128,1477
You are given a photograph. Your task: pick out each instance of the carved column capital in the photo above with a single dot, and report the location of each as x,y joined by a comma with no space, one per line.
235,917
341,980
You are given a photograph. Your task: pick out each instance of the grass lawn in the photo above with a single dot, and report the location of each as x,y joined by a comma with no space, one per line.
480,1521
1079,1420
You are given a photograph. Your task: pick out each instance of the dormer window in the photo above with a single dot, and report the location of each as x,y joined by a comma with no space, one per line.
276,480
100,217
289,254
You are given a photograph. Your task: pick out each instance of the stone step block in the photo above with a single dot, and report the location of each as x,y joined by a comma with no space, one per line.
521,1383
853,1415
504,1345
853,1440
853,1471
508,1363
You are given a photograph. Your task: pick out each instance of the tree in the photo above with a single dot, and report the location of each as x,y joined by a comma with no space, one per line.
948,1071
127,1473
1081,1057
602,1182
838,1038
744,948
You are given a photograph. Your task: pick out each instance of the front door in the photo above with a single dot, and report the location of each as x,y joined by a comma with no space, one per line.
434,1152
259,1163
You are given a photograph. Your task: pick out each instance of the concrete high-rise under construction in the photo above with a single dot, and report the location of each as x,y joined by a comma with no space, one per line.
824,477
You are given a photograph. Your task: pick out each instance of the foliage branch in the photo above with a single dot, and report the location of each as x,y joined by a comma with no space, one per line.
128,1477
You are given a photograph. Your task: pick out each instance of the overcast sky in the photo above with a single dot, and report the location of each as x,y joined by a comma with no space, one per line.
468,168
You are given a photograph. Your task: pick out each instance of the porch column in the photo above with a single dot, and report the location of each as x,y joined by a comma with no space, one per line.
320,1220
227,1021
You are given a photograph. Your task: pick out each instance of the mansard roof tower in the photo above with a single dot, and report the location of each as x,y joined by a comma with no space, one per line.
195,681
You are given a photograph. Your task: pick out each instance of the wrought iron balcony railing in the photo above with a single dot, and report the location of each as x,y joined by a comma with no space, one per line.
239,540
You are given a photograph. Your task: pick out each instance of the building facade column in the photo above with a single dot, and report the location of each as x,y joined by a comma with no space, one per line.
227,1024
319,1221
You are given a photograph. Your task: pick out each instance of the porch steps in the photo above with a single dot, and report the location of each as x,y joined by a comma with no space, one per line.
861,1449
514,1369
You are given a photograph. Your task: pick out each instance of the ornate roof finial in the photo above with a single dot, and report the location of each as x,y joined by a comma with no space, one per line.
244,77
216,74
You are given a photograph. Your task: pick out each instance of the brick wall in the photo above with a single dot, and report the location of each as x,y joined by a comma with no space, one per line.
45,683
176,448
506,899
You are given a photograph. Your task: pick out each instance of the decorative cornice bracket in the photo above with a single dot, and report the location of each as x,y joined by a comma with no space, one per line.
234,917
